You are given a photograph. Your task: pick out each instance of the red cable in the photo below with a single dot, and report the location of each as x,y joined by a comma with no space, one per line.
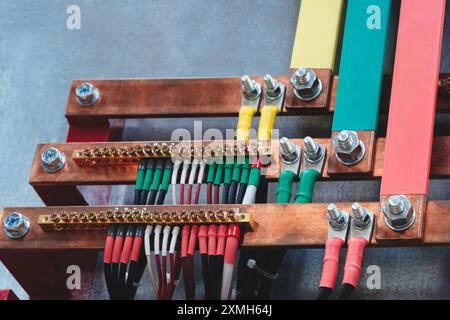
190,260
184,252
189,195
164,277
216,194
197,193
181,193
209,193
109,245
178,264
353,260
331,262
158,268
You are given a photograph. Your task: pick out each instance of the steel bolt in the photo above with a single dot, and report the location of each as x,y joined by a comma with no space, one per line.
349,149
289,152
52,160
16,225
306,84
336,218
398,213
272,87
250,88
87,94
360,217
313,151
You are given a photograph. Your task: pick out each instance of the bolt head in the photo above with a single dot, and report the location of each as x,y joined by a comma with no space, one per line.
86,94
399,213
52,160
16,225
352,154
309,87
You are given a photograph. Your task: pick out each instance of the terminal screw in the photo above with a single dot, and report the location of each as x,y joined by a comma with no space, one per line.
360,216
16,225
398,212
273,89
87,94
52,160
336,218
290,153
349,149
307,86
314,152
250,89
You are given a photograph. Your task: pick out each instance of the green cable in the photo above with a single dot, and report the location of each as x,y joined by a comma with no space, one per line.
235,176
245,171
167,176
211,172
148,175
140,174
158,175
219,174
228,171
306,186
255,175
285,181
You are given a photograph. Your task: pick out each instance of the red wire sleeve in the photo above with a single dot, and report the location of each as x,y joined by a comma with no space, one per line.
232,244
212,239
109,245
193,240
221,239
126,250
136,250
331,262
202,241
209,193
353,260
118,243
185,240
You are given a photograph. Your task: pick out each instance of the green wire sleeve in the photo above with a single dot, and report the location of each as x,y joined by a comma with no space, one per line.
285,182
167,176
245,171
228,172
236,172
306,186
148,179
255,175
219,174
157,176
140,177
211,172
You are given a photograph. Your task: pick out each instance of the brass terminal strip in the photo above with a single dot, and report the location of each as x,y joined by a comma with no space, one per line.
133,152
101,219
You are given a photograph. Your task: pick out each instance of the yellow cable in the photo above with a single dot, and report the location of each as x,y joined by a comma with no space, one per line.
267,122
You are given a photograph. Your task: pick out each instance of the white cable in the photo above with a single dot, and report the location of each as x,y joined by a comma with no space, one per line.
156,240
201,171
147,234
250,195
173,182
165,242
193,173
186,164
173,242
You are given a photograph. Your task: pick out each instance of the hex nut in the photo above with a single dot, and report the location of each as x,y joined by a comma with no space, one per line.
16,225
353,152
402,220
309,89
52,160
86,94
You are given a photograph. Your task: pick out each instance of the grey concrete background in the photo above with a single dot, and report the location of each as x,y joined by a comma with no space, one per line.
39,57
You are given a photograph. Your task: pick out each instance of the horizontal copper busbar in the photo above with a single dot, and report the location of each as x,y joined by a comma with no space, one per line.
289,225
73,174
87,219
196,97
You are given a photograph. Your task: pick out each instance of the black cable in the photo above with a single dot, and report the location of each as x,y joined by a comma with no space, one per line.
241,192
233,191
121,231
212,278
152,197
107,265
225,193
123,266
324,293
161,197
205,273
136,268
219,272
346,291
